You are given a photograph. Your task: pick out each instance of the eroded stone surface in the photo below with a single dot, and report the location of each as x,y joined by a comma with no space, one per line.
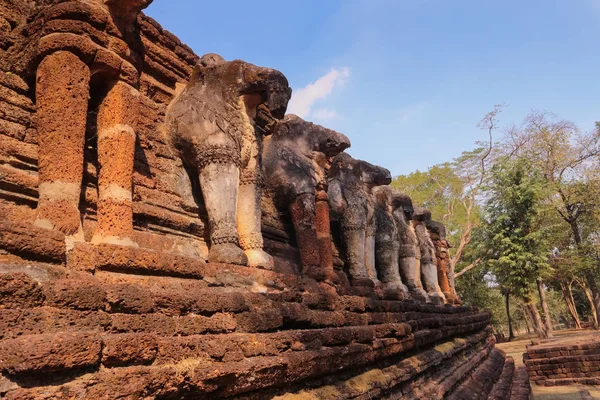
105,288
296,161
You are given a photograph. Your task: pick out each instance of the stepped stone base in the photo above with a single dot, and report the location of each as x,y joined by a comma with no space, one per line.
82,321
565,361
116,321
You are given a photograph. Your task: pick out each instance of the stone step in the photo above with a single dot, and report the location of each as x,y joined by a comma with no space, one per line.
481,381
549,350
521,388
571,381
540,363
205,362
415,377
503,386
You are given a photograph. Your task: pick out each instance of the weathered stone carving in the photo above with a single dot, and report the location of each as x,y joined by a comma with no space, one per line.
156,321
64,76
437,233
429,273
216,125
409,254
387,243
295,163
350,185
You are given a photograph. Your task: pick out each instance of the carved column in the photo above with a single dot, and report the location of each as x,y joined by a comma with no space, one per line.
324,234
303,212
116,149
370,241
62,100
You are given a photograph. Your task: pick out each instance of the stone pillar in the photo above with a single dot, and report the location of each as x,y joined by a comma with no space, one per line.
302,211
62,92
324,234
116,149
450,273
370,243
442,269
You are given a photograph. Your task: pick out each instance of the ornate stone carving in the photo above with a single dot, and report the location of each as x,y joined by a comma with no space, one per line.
216,125
350,185
429,273
295,164
153,322
437,233
409,253
387,244
64,75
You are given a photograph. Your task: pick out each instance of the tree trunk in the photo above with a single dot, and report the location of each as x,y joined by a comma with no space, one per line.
590,298
589,277
547,319
527,325
536,319
511,333
568,296
594,296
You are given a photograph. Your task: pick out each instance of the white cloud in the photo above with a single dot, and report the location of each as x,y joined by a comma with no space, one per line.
324,114
304,98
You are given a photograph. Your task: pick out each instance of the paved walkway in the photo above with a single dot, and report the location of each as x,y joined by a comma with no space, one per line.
516,348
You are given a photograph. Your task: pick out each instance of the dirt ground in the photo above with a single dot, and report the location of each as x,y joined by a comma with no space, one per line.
516,348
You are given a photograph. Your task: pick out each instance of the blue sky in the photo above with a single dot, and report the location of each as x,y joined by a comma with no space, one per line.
408,80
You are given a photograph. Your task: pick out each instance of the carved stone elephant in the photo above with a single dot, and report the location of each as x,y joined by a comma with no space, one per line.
350,184
437,233
387,245
429,272
409,254
295,162
216,124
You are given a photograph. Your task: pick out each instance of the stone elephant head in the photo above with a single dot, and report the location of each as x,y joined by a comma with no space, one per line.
401,203
312,136
351,200
354,174
436,228
254,85
295,162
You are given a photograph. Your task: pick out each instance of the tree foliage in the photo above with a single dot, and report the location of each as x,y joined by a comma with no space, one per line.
515,240
523,212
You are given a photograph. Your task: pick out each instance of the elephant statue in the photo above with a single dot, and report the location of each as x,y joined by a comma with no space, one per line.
429,273
350,195
437,233
409,254
295,162
217,126
387,245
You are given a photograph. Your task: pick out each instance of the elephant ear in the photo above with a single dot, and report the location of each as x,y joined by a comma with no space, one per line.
304,164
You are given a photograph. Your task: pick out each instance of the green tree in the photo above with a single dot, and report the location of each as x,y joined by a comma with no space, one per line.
568,161
452,191
515,247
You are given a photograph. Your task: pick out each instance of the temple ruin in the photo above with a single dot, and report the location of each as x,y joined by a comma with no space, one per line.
166,231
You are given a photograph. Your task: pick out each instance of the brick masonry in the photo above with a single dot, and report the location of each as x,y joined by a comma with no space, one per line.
565,362
156,320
